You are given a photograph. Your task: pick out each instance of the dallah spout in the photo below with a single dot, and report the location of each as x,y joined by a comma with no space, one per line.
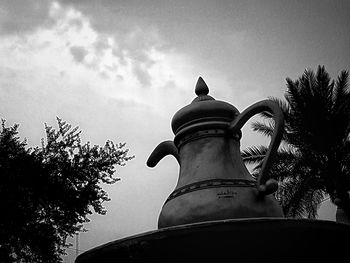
163,149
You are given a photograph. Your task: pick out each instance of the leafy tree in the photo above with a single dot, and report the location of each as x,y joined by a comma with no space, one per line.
314,159
47,192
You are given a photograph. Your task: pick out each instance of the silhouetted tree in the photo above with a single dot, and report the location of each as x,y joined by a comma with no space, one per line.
314,160
47,192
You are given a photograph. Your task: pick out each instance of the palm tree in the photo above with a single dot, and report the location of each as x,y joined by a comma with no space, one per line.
313,161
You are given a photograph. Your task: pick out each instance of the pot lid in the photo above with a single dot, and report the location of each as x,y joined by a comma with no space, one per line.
203,111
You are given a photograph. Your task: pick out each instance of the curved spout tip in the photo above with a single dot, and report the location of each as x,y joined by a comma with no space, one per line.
163,149
150,162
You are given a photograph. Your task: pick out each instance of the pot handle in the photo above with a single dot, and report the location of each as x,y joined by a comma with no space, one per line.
264,185
163,149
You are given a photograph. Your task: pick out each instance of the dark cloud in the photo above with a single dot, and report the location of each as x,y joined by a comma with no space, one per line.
130,23
116,20
20,16
142,75
222,35
78,53
207,30
77,23
100,45
118,52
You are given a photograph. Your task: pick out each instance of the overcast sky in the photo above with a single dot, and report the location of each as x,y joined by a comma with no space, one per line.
120,70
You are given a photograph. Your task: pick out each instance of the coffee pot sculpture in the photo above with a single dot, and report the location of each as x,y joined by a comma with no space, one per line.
214,183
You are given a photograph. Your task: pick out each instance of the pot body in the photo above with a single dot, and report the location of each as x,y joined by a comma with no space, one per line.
214,184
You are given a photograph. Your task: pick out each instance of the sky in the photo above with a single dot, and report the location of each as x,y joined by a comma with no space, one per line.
121,69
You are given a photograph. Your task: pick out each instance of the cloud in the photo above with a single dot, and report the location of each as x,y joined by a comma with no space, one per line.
102,43
72,54
130,42
78,53
21,16
142,75
125,49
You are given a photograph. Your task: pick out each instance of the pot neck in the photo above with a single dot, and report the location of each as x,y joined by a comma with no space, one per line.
184,138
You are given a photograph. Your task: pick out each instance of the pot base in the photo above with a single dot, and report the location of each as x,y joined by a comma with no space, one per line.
238,240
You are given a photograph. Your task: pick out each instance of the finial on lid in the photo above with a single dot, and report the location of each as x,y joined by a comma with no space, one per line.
201,88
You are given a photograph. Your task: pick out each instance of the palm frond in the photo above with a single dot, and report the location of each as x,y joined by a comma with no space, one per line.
341,89
314,202
341,104
301,197
307,83
299,92
292,94
322,79
265,129
282,164
254,154
323,89
282,104
314,159
268,129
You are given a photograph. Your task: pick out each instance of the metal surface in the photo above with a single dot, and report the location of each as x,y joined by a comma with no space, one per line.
207,148
203,109
248,240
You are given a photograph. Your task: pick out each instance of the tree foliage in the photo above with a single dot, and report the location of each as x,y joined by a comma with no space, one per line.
314,160
47,192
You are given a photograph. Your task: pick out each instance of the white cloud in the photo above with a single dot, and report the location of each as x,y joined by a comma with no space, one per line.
71,52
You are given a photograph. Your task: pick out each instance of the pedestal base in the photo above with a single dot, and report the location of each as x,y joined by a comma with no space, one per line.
244,240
